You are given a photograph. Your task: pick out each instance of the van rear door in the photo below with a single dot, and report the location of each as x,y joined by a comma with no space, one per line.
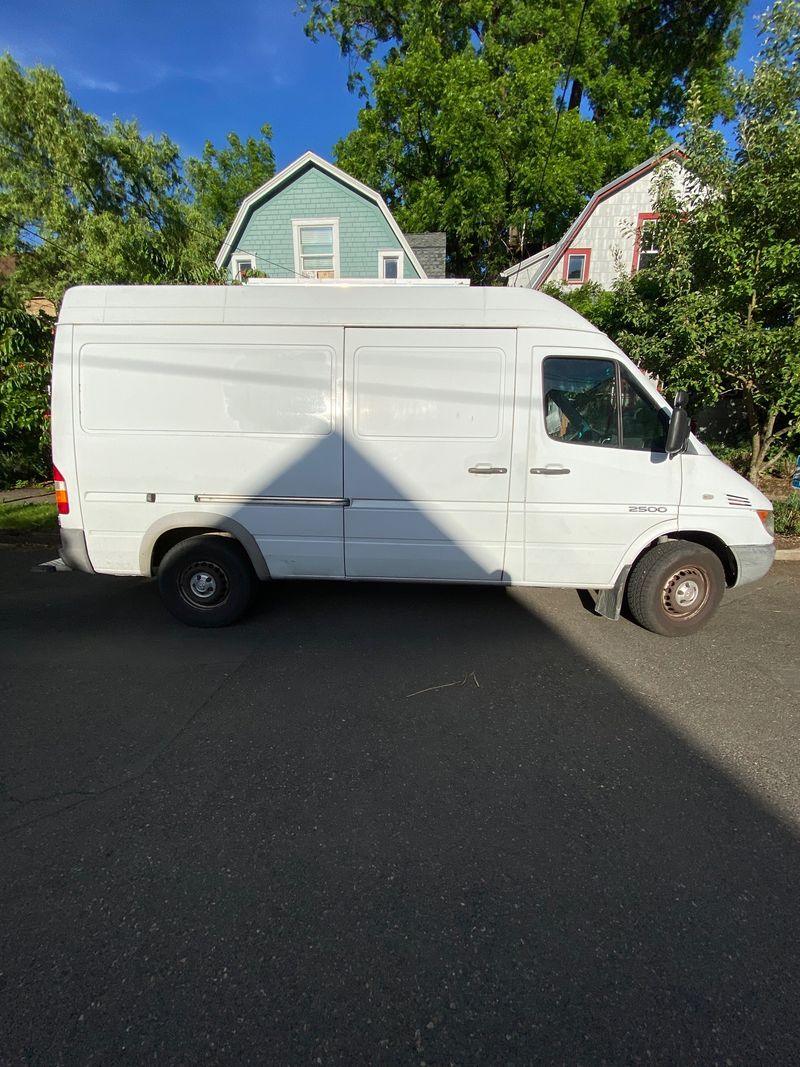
428,429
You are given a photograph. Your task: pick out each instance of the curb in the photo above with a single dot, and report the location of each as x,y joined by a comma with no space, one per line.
787,554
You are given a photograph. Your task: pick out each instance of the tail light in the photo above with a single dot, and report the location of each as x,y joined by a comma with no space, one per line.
60,486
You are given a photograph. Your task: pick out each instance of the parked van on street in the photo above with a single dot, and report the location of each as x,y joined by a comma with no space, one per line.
218,436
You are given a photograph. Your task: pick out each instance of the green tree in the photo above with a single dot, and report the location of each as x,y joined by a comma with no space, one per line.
82,202
718,311
25,359
461,97
222,177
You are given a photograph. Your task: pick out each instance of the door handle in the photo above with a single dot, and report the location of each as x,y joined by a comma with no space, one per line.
549,470
484,468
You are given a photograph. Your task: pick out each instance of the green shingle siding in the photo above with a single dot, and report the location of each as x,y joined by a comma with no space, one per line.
363,230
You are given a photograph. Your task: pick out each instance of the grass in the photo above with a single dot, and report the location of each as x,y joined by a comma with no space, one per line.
19,517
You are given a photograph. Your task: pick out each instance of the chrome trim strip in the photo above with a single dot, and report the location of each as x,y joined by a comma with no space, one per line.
288,501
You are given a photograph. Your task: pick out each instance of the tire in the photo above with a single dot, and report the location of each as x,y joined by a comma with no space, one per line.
675,588
207,581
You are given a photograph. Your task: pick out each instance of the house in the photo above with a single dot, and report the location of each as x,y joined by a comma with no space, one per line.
614,230
313,220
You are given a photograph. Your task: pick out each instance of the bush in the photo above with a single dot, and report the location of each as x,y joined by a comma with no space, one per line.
787,516
26,344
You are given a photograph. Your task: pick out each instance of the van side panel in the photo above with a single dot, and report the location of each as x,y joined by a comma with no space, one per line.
428,430
243,422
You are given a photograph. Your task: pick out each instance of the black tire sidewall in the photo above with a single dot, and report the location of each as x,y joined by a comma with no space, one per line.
650,576
223,553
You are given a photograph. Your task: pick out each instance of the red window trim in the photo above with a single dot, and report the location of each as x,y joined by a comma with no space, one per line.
587,253
644,216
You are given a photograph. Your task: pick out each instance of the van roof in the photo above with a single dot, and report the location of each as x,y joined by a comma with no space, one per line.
319,304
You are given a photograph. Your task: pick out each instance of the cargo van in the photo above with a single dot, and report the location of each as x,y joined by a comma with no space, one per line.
217,436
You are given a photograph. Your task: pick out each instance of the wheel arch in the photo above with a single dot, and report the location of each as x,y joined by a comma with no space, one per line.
668,533
716,545
170,530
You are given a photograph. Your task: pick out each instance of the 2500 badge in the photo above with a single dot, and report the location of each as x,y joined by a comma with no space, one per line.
640,509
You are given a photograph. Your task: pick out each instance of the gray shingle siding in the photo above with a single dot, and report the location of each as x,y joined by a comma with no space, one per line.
430,249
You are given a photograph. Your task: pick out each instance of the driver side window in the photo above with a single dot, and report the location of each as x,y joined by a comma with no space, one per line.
580,400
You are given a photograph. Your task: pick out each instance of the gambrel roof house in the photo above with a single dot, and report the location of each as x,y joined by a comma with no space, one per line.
313,220
613,231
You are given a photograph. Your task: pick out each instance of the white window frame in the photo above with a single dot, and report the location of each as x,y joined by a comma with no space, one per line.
237,259
391,253
296,226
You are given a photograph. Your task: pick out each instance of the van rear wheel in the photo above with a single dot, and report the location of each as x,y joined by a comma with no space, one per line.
207,581
675,588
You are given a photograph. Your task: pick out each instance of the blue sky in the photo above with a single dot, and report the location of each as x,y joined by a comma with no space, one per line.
196,71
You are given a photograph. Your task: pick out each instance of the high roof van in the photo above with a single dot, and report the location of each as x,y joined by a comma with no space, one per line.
218,436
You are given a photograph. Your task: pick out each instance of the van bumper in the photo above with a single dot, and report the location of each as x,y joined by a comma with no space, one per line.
74,552
752,561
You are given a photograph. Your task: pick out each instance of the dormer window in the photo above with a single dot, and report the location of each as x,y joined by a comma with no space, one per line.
576,265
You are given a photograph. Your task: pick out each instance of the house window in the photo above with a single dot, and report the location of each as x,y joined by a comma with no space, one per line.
316,247
390,264
241,266
646,249
576,265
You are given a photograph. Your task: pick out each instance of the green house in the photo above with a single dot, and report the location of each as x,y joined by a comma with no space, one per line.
314,221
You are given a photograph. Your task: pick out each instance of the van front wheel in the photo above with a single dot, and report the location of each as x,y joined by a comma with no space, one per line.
675,588
207,581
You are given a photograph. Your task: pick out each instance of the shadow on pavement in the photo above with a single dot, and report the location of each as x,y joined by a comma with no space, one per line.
315,866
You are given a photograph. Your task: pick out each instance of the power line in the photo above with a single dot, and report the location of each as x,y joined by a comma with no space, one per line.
559,109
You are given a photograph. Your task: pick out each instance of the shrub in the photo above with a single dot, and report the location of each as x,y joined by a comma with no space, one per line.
787,516
25,361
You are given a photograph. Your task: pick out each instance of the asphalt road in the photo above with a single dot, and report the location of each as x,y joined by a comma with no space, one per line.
296,842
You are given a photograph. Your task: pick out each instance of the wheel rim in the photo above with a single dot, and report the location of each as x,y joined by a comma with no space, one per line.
685,593
203,584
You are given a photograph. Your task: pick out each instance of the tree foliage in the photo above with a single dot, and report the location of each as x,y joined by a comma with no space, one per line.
25,361
718,311
83,202
222,177
461,98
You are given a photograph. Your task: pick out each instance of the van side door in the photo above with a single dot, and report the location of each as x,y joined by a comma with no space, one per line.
428,428
598,481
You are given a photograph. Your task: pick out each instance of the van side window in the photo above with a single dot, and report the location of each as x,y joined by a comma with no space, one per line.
644,426
580,400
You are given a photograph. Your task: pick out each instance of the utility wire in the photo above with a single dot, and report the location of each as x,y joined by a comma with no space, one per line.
559,109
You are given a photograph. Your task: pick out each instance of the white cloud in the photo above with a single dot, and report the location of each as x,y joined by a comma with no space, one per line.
97,84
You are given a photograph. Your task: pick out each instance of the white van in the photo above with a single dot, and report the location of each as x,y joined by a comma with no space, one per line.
214,436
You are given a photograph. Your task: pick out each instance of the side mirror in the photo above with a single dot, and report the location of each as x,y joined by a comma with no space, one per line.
679,425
